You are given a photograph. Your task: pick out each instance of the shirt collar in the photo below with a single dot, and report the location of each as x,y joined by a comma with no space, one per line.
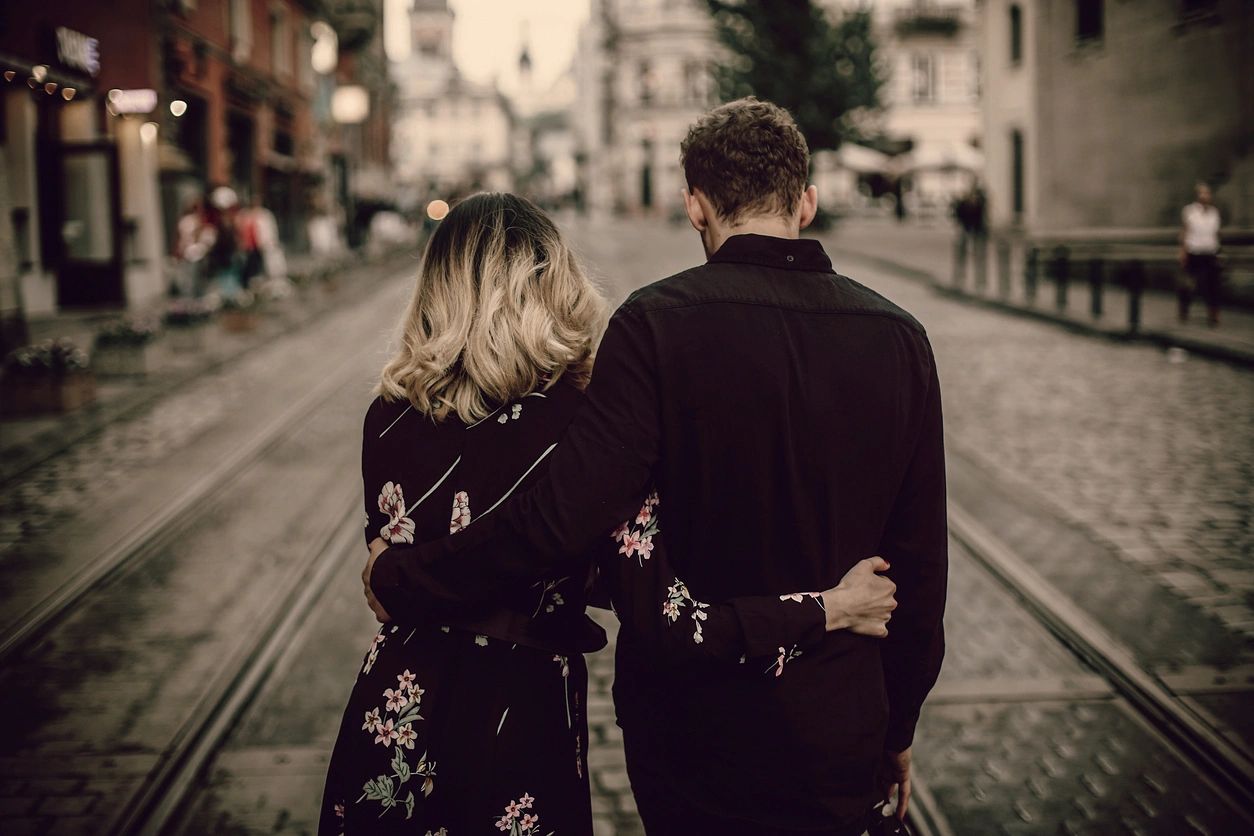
767,250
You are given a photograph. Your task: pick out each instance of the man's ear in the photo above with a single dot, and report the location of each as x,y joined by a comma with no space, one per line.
809,206
696,215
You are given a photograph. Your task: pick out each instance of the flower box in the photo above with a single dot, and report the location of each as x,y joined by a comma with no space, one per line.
28,395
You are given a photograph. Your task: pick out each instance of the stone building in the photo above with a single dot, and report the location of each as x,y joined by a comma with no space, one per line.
1100,116
450,134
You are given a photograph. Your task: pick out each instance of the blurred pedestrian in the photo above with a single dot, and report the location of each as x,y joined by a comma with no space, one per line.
250,257
1199,255
223,259
193,238
753,391
969,212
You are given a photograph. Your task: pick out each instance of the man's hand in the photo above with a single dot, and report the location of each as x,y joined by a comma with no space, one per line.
863,601
894,778
377,546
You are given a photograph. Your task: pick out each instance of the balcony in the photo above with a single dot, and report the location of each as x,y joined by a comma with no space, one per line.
928,19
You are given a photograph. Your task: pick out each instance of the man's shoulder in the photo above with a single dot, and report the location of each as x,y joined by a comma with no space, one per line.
714,283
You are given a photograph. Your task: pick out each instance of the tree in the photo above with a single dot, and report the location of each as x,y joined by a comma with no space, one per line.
792,53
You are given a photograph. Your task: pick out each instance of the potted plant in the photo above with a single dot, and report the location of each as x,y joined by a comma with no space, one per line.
127,346
53,376
187,321
239,312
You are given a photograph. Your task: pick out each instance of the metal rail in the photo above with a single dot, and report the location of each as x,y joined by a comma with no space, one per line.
1229,768
168,520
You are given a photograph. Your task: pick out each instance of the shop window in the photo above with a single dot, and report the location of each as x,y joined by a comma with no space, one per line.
1017,200
1090,22
1016,34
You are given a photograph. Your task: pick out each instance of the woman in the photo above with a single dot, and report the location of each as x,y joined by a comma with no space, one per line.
454,726
475,724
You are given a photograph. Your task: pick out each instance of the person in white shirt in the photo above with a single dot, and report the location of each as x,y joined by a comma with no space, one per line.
1199,255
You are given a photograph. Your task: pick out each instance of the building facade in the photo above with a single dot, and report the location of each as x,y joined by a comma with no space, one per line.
451,135
1101,116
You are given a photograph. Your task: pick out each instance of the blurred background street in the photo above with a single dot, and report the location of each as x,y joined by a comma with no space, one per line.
211,212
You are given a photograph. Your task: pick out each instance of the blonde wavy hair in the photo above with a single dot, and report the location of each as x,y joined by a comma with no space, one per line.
501,309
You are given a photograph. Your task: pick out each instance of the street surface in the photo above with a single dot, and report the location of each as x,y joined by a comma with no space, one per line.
1125,480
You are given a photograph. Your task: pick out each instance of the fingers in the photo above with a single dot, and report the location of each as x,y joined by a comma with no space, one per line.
877,564
903,799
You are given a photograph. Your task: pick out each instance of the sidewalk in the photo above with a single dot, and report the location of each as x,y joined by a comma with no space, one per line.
27,440
925,251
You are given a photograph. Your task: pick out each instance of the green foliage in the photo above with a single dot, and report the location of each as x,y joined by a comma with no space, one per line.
791,52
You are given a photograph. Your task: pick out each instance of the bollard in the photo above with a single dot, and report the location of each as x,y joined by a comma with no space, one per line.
1096,280
1003,267
1029,275
1134,280
981,262
1060,269
960,260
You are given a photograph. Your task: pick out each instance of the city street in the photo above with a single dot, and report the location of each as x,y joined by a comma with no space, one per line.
1100,626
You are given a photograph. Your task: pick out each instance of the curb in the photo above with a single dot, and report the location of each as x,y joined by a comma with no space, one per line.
1236,357
20,458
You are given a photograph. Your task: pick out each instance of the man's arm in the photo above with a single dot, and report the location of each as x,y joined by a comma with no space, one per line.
916,544
595,479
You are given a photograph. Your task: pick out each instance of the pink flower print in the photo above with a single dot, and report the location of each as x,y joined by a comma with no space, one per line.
398,530
397,699
339,811
620,532
503,823
406,736
407,680
372,720
646,514
651,500
384,733
671,610
529,821
645,548
392,500
461,513
526,801
512,809
631,542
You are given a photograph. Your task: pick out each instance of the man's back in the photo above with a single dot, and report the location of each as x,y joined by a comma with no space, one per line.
791,403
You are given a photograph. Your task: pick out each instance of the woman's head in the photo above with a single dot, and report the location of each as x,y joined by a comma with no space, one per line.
500,309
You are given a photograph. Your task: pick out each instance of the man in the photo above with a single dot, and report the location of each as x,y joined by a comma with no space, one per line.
790,421
1199,255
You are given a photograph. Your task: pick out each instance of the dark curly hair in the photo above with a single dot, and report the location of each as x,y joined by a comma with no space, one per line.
747,157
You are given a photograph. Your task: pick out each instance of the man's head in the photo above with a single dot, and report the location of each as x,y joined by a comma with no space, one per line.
1204,197
746,164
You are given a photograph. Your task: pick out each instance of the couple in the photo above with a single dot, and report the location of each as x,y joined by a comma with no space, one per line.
759,441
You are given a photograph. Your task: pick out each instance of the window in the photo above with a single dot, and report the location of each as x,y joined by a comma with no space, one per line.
280,42
645,80
1090,21
922,78
1016,172
977,73
241,27
1016,34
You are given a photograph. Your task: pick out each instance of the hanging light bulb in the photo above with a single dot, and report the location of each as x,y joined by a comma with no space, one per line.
9,75
67,93
50,87
39,72
178,107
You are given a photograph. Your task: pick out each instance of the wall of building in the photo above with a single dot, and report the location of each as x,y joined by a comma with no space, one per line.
1008,105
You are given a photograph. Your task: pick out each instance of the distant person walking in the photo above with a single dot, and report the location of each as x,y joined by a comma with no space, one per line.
193,238
1199,255
969,212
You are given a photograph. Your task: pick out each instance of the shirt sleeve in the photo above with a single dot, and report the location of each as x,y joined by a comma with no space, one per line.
916,544
674,627
595,478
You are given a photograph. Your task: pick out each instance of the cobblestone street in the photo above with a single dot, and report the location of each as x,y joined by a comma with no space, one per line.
1122,480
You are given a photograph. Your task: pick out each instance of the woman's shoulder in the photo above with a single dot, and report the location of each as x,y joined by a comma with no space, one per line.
385,416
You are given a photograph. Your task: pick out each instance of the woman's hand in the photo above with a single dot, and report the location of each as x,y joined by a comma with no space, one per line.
377,546
863,601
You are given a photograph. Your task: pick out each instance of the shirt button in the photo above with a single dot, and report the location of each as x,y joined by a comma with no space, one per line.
790,258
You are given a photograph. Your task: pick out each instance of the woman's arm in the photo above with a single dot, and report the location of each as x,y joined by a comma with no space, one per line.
663,616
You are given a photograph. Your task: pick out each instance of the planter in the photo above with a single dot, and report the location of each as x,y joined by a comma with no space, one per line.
125,359
238,321
39,395
189,338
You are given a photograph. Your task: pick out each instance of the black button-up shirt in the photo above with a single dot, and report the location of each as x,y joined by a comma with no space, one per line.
790,420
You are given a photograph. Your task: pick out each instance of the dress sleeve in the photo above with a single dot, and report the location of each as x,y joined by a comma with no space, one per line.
596,476
675,627
916,543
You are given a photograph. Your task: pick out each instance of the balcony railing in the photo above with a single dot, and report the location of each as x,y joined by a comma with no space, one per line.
928,19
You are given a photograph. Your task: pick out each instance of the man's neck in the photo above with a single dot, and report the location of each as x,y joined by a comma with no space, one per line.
775,227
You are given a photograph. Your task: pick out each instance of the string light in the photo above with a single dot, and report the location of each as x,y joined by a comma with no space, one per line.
67,93
148,131
50,87
9,75
39,72
178,107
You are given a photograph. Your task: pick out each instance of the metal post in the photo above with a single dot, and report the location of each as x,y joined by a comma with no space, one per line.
1134,279
981,261
1096,279
1029,275
1003,267
1060,268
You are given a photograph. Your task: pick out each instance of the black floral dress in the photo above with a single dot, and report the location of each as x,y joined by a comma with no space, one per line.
476,724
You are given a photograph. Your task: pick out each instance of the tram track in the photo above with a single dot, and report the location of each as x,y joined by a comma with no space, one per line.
1227,768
